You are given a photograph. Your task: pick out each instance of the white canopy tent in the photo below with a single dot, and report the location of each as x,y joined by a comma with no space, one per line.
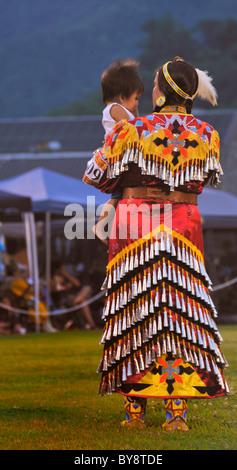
50,193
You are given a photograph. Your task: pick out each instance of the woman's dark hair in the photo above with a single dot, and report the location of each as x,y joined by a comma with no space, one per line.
185,76
121,79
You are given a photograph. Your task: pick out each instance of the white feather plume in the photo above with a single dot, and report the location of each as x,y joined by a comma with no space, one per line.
206,90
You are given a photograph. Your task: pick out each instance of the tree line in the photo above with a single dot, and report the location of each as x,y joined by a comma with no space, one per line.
211,45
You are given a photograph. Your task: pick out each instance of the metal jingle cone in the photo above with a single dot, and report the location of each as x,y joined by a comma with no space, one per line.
124,374
173,346
183,332
171,324
176,179
194,340
165,321
184,280
141,261
134,341
150,329
163,176
188,283
109,332
159,274
164,348
183,306
179,257
151,254
175,281
165,274
99,368
163,297
179,352
113,382
199,337
196,361
123,349
187,174
140,160
115,330
102,339
177,327
179,279
105,362
151,306
147,257
153,353
141,362
139,287
128,350
129,368
178,306
148,283
208,367
158,349
157,298
159,323
139,337
191,358
170,303
162,243
181,180
137,368
195,315
112,310
188,332
131,262
156,248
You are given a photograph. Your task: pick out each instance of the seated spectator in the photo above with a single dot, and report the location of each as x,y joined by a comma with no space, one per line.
68,290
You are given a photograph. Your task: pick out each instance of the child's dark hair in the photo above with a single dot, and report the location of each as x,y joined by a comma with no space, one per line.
185,76
121,79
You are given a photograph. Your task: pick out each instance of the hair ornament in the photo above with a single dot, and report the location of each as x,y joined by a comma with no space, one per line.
206,90
174,85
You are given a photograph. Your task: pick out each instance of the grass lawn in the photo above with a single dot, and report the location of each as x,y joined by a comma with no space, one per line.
49,400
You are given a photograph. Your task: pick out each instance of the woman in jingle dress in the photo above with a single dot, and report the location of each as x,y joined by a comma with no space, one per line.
160,337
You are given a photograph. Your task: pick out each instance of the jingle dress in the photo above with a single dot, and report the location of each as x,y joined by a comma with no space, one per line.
160,338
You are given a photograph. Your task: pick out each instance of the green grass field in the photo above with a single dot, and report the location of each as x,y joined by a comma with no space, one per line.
49,400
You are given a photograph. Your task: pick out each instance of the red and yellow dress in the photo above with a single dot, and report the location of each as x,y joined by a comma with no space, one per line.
160,337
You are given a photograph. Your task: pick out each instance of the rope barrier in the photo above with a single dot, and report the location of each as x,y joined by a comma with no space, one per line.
56,312
93,299
225,284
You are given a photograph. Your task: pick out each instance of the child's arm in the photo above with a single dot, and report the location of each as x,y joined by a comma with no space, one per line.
118,113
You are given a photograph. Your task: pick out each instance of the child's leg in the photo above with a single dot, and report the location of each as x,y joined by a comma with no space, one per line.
106,218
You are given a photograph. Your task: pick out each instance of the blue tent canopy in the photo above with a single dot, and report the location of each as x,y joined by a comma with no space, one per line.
51,191
213,202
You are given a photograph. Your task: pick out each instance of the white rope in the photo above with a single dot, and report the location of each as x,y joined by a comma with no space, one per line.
93,299
225,284
56,312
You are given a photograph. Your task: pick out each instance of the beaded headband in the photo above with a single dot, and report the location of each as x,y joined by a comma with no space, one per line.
174,85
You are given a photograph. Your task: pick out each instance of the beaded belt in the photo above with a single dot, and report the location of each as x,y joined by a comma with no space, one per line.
156,193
